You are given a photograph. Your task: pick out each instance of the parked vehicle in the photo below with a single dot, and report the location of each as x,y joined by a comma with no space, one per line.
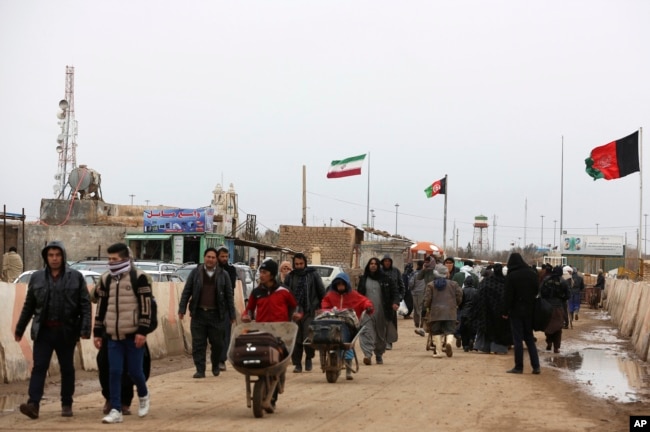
327,273
99,266
163,276
155,266
245,275
184,270
91,277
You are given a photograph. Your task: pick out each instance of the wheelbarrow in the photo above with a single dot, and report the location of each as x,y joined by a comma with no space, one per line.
261,382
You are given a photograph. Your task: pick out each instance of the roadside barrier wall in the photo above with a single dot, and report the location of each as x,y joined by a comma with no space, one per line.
628,303
172,337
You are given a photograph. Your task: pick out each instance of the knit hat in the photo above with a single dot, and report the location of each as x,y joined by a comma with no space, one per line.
270,266
440,271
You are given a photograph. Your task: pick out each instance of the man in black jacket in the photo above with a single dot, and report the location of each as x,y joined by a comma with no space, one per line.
307,287
58,300
210,296
520,292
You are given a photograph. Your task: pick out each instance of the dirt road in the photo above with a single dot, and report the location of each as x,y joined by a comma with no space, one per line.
412,390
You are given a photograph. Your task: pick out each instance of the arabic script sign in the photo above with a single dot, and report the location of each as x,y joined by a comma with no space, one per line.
179,220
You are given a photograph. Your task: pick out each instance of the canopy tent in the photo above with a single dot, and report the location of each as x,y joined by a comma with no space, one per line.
426,248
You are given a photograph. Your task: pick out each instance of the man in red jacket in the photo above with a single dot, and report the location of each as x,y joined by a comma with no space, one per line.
270,302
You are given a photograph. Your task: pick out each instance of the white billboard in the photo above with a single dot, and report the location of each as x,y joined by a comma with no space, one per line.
592,245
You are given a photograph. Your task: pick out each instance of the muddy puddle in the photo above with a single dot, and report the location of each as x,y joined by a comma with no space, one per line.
604,367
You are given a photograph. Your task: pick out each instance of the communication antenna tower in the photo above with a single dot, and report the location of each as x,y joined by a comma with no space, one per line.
67,139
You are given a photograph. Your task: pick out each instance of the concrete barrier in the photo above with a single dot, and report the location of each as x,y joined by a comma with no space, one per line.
171,337
628,303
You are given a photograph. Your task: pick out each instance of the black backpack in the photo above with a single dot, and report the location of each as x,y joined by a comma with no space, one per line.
154,304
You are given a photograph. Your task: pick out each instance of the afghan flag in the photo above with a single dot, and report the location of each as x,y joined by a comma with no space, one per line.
437,187
614,160
346,167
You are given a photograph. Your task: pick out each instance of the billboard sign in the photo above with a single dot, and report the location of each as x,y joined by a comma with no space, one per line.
179,220
592,245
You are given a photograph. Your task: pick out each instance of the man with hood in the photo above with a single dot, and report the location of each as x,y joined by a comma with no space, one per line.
341,296
520,291
381,329
58,301
307,287
441,300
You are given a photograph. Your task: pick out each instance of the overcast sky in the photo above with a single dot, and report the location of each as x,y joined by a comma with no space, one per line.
173,98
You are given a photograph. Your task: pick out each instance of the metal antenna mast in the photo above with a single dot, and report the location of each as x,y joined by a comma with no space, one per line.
67,139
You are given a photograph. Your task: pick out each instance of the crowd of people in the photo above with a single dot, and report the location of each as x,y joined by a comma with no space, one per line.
481,310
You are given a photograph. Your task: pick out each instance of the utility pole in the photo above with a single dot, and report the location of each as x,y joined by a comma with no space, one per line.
542,244
554,230
131,195
396,207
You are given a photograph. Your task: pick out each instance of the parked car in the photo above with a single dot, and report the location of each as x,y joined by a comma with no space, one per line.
245,275
184,270
155,266
163,276
99,266
91,277
327,273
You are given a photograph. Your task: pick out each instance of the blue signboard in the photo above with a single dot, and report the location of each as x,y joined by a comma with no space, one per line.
179,220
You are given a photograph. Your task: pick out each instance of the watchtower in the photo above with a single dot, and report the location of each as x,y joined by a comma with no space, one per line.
480,242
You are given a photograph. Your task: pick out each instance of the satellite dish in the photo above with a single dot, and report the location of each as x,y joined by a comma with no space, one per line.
63,104
59,149
59,139
60,115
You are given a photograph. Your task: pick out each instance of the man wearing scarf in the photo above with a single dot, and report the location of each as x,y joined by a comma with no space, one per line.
124,316
210,296
307,287
381,328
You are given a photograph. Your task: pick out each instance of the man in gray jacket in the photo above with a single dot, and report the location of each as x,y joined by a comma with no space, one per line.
58,300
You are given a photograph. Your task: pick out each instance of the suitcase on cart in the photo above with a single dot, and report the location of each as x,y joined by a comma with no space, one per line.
258,350
329,331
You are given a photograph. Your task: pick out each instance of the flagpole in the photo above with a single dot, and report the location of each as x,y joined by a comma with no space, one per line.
638,238
368,195
562,196
444,229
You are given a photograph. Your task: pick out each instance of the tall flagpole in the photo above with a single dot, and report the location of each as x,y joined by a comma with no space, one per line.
368,195
444,229
638,238
562,197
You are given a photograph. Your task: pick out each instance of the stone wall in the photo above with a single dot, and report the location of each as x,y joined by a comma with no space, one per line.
336,243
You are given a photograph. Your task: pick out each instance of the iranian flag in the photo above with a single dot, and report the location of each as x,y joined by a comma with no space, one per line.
437,187
614,160
346,167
